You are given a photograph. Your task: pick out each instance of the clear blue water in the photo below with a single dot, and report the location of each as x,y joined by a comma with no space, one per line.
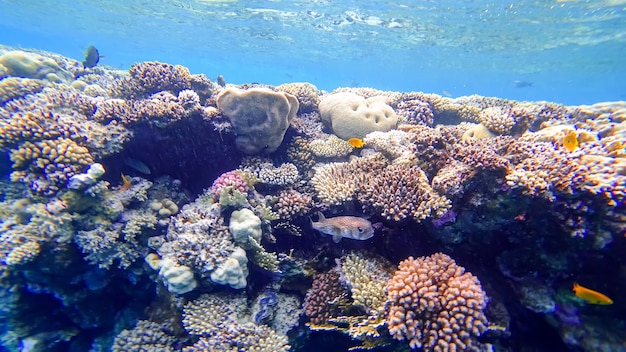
572,51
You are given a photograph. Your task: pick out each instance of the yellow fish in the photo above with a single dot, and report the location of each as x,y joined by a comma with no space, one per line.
591,296
356,142
570,141
126,183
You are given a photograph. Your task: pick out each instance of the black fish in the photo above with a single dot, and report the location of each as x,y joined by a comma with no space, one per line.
92,56
522,84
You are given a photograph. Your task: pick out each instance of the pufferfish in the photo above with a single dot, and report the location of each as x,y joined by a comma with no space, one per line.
344,226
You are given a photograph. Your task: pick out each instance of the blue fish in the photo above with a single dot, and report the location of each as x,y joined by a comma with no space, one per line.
522,84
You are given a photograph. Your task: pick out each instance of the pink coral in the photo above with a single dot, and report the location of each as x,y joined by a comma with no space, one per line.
291,204
436,305
229,179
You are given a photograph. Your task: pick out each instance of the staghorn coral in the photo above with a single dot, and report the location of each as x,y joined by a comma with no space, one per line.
436,305
330,147
400,192
325,298
147,78
145,336
366,278
290,204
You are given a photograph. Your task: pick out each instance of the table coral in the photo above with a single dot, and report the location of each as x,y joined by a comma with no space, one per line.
415,112
16,87
497,119
283,175
400,192
337,183
436,305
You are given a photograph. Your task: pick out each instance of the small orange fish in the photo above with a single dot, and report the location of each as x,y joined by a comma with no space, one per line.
356,142
591,296
126,184
570,141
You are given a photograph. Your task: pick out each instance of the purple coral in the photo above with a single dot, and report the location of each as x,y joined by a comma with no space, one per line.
229,179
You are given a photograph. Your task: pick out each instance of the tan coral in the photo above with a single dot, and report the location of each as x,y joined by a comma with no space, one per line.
497,119
16,87
366,277
436,305
331,147
400,192
307,94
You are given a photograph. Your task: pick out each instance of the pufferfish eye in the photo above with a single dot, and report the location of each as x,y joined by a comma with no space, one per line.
360,229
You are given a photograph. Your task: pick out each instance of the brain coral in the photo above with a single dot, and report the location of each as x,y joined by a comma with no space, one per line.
436,305
352,116
259,116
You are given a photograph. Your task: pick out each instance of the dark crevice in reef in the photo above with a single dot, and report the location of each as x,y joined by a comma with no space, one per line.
190,151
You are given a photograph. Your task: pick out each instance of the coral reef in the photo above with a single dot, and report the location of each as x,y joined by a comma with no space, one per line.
436,305
101,248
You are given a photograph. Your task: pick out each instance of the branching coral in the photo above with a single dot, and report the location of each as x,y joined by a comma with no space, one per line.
290,204
47,165
400,192
337,183
147,78
436,305
221,323
331,147
145,336
415,112
366,278
325,297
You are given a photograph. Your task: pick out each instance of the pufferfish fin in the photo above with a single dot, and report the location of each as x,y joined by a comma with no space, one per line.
337,237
